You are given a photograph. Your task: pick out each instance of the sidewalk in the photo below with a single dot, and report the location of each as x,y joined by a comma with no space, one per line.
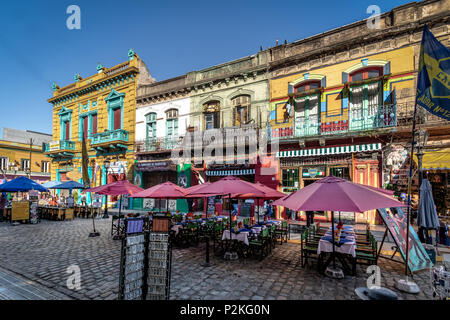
15,287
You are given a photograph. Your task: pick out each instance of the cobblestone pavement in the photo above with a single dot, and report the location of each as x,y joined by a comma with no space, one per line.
15,287
43,252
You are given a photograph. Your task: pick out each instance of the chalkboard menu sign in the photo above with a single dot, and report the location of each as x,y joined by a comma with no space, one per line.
159,265
132,267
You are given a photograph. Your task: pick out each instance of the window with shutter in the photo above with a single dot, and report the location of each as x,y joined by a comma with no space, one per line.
117,118
211,115
94,124
67,130
241,110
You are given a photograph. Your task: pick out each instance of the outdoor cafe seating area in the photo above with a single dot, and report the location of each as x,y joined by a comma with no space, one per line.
247,239
352,247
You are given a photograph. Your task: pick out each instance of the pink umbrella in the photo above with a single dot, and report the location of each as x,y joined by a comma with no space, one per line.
228,185
384,191
336,194
117,188
195,188
269,194
166,190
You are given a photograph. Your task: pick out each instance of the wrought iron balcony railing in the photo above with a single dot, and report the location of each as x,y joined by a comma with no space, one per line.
365,119
61,145
157,144
118,135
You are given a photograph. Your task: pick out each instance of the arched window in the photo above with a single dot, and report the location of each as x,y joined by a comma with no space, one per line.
211,115
366,73
241,110
171,128
309,85
365,97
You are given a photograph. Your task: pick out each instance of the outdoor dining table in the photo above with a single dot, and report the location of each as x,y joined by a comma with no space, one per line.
239,236
345,249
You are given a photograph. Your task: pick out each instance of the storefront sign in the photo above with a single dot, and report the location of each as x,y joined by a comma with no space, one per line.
53,146
155,166
312,173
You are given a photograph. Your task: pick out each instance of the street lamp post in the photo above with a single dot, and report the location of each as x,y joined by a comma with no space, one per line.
421,142
105,213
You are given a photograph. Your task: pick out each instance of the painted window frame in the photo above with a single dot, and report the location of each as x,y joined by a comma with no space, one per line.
4,163
114,101
238,104
64,116
151,118
173,121
208,112
90,116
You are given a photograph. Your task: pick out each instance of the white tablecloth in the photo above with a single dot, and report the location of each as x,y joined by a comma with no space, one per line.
241,236
177,228
346,248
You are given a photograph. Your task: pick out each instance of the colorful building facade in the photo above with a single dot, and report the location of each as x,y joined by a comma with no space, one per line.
342,101
101,110
21,155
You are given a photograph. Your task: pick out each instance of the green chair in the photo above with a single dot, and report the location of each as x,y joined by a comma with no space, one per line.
259,247
308,248
282,232
367,255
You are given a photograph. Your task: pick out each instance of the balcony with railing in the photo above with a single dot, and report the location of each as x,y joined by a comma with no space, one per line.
365,119
158,144
110,138
59,148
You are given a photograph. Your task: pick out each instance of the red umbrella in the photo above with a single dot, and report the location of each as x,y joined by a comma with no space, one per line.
166,190
228,185
116,188
193,189
385,191
270,194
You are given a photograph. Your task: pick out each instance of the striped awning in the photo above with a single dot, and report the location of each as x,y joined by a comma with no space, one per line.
230,172
435,160
329,151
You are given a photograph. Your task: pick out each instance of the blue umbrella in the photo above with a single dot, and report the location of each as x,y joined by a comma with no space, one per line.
51,184
21,184
427,216
68,185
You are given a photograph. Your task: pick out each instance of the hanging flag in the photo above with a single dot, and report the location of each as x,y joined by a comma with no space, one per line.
433,84
85,164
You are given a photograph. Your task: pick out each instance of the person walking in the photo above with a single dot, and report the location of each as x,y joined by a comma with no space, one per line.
309,218
2,206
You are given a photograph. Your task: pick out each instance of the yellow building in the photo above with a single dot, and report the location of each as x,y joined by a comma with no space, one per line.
101,109
21,155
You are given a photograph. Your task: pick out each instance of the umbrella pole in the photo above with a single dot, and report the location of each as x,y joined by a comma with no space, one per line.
120,207
229,198
332,235
257,200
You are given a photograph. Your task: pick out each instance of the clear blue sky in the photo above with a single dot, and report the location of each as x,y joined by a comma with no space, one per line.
172,37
